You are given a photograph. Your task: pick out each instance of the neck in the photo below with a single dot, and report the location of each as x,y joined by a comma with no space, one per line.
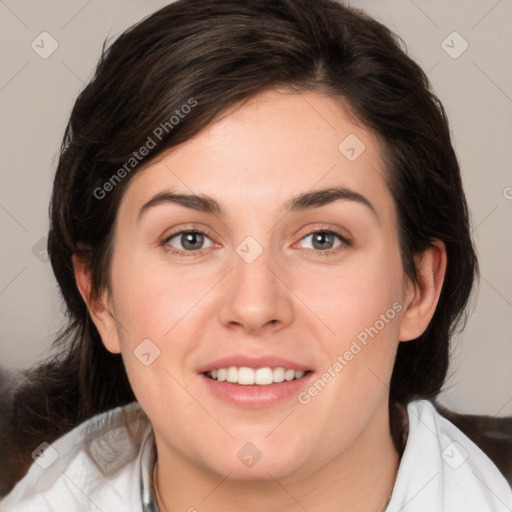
358,480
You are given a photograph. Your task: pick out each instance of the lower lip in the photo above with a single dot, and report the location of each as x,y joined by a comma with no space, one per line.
255,396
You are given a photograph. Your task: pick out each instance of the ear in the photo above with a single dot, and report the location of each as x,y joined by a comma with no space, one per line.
422,296
100,309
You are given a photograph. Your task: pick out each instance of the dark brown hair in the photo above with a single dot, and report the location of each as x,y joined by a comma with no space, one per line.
219,53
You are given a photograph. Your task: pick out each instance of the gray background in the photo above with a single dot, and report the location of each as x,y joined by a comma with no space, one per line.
37,94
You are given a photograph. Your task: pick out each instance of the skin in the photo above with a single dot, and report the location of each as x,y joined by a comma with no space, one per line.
294,300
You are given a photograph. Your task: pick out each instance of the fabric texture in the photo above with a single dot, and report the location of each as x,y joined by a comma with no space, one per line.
106,464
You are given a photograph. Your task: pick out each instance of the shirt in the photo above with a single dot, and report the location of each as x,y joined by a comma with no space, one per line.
106,464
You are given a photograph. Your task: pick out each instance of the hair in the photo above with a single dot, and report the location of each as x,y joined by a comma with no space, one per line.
214,55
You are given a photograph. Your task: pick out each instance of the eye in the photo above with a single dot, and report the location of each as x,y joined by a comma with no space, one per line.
189,241
324,240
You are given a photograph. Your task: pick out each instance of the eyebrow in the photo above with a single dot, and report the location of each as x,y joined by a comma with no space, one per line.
304,201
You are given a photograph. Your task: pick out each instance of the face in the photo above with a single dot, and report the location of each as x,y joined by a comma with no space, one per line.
262,283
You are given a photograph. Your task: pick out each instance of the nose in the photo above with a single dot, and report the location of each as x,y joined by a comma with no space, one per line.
256,296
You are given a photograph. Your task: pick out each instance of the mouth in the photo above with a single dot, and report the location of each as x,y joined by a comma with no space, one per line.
255,381
264,376
255,388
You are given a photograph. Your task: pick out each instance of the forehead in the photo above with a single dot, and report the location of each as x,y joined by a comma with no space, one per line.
270,148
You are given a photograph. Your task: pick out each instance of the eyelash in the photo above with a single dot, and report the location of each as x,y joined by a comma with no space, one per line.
325,229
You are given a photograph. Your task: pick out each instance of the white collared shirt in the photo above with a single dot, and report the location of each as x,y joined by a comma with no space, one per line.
106,464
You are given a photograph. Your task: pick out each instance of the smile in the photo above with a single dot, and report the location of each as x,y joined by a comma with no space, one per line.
246,376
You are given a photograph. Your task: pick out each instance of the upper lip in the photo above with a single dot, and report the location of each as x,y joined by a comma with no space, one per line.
238,360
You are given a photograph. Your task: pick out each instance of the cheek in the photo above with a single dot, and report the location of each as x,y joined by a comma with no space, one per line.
155,308
362,308
364,295
152,298
161,312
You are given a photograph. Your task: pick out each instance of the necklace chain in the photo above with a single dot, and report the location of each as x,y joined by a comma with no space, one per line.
159,499
387,503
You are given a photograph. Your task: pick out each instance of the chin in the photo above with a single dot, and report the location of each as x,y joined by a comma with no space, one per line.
259,461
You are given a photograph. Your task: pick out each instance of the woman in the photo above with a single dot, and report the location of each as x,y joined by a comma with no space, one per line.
259,229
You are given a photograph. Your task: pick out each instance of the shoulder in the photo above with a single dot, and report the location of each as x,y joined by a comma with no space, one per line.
442,469
96,465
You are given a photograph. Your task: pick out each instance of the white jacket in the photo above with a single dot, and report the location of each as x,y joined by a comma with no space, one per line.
106,464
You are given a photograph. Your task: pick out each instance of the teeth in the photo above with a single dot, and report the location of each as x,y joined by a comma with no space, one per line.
261,376
278,374
289,375
244,375
264,376
232,374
